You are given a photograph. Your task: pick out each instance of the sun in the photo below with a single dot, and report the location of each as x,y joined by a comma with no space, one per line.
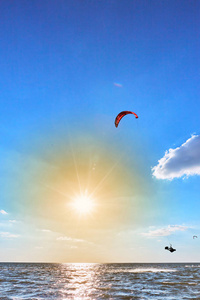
83,204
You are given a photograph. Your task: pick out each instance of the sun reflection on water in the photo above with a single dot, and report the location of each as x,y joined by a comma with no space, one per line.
81,279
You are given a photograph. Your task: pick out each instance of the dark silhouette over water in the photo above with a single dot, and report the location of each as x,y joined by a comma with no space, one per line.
171,249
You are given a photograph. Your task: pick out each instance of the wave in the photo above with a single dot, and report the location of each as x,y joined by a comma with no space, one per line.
153,270
179,283
192,266
143,270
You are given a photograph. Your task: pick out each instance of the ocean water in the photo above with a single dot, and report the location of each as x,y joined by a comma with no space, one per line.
99,281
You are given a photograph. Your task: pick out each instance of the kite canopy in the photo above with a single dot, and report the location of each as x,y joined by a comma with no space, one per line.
122,114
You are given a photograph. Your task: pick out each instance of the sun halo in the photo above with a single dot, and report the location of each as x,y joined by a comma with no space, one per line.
83,204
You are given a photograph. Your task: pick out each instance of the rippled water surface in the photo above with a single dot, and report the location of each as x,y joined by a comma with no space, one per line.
99,281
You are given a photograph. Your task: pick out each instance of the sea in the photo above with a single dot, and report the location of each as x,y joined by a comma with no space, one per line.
99,281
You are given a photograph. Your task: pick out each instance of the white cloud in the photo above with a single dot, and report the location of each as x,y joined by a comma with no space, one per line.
8,235
181,161
67,238
9,223
3,212
63,238
46,230
165,231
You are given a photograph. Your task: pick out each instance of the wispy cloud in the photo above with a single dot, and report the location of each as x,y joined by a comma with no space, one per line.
118,84
46,230
9,223
3,212
12,221
181,161
165,231
67,238
8,235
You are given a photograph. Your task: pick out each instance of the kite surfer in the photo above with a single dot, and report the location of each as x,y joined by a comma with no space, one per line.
171,249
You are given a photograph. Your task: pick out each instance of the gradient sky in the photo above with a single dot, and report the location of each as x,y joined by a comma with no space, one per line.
67,69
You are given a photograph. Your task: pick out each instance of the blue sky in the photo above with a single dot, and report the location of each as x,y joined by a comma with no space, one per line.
60,62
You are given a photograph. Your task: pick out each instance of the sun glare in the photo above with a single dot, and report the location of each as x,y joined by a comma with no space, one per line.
83,204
